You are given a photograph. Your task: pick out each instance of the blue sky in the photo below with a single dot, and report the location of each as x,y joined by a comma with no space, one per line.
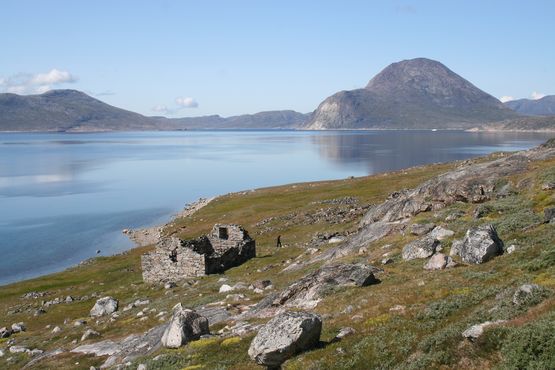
189,58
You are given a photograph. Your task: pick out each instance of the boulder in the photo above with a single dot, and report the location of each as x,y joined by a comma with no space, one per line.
18,349
527,293
185,325
480,244
284,336
344,332
441,233
226,288
5,332
421,229
475,331
439,261
56,330
18,327
456,248
420,248
549,215
261,284
89,333
307,292
104,306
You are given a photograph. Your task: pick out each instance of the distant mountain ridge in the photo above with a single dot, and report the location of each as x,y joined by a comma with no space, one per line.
415,93
538,107
75,111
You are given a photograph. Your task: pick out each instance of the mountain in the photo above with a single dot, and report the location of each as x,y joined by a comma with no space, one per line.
539,107
75,111
415,93
66,110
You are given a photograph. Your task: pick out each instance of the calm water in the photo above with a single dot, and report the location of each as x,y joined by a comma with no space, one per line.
63,196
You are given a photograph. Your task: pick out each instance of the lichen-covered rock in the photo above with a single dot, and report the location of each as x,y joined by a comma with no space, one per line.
307,292
5,332
480,244
456,248
18,327
439,261
441,233
421,229
89,333
284,336
104,306
528,294
549,215
475,331
185,325
420,248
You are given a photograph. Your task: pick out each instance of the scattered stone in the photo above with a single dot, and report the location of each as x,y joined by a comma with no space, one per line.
549,215
526,293
482,210
39,311
357,317
336,239
104,306
89,333
398,308
170,285
548,186
454,216
480,244
420,248
240,286
439,261
225,288
141,302
348,309
284,336
441,233
511,248
56,330
79,322
185,325
35,352
141,367
475,331
69,299
261,284
421,229
18,349
18,327
346,331
387,261
5,332
1,353
362,251
235,297
312,251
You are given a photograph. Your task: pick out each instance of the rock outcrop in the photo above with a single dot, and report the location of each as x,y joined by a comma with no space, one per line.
308,291
480,244
284,336
185,325
104,306
475,331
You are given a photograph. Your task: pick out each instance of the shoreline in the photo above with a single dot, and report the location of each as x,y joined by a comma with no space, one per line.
151,235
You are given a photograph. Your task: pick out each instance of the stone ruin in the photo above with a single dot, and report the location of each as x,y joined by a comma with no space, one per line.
174,259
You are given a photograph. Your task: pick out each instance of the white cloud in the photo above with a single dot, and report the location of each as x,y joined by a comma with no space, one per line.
506,98
536,95
53,77
25,83
186,102
161,109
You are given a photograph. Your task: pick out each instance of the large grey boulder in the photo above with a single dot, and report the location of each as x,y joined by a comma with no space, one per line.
420,248
307,292
284,336
441,233
104,306
480,244
185,325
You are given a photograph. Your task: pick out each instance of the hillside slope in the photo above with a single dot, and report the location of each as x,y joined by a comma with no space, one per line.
412,318
538,107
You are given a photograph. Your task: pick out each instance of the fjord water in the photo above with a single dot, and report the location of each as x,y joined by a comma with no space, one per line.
63,196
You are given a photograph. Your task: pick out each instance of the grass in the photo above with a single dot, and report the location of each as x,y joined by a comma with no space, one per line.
438,305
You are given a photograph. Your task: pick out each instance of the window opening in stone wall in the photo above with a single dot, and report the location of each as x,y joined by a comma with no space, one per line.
222,233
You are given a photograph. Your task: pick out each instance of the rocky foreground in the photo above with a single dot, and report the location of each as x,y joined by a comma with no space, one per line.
444,266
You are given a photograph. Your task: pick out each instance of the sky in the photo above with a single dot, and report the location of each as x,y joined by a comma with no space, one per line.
191,58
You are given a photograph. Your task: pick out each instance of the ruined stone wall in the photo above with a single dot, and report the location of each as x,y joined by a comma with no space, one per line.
158,267
231,251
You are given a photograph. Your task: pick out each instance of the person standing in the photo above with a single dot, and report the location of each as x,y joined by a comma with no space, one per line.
278,243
